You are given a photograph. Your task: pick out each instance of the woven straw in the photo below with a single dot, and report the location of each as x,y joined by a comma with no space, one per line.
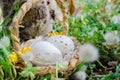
65,16
71,62
71,6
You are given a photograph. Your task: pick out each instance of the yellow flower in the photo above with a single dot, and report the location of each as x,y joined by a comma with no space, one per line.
26,49
51,34
14,57
55,33
61,33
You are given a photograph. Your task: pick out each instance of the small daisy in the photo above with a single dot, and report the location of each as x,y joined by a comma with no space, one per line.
111,38
109,9
88,53
80,75
116,19
5,41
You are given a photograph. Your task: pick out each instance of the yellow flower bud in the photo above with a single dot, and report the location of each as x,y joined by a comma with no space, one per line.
26,49
14,57
56,33
61,33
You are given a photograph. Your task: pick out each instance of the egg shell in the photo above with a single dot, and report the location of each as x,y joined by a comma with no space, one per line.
63,43
45,52
28,56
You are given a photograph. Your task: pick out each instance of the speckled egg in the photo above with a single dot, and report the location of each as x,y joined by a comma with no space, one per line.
45,52
63,43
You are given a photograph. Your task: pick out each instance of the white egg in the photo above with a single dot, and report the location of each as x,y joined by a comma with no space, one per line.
28,56
45,52
63,43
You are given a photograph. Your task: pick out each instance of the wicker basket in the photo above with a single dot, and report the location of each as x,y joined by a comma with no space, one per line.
71,62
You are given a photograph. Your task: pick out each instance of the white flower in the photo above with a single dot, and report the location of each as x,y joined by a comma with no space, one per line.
88,53
109,9
111,38
5,41
116,19
80,75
